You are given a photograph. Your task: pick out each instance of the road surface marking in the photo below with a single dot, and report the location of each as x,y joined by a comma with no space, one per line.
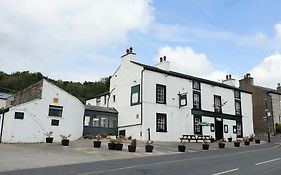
267,161
228,171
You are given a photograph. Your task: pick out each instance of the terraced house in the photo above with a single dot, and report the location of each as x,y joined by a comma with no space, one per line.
154,102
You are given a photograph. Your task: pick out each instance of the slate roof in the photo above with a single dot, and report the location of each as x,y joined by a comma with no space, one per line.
4,96
100,109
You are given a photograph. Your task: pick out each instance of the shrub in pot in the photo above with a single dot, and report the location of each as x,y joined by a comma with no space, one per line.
221,143
252,137
212,139
149,146
65,140
257,141
111,144
229,139
132,147
97,142
205,145
181,147
119,144
236,143
247,142
49,139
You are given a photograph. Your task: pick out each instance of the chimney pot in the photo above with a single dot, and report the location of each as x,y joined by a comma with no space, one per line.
164,58
131,50
161,59
226,77
229,76
127,51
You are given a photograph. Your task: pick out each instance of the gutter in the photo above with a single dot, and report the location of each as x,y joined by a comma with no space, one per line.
2,123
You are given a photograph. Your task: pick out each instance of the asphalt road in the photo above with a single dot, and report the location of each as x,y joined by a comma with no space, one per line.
260,160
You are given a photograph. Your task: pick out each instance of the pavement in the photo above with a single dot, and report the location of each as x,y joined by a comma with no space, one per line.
28,156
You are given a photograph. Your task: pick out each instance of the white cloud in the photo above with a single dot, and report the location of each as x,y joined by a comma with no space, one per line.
267,73
278,31
35,34
186,60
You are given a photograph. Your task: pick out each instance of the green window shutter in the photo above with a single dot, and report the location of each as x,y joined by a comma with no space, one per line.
135,95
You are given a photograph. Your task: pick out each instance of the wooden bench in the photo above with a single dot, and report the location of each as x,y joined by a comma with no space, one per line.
195,137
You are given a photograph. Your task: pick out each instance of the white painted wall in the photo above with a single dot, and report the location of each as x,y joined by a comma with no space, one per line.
247,113
2,103
103,101
36,121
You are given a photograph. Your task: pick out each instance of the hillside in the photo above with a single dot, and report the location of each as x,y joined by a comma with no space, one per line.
14,82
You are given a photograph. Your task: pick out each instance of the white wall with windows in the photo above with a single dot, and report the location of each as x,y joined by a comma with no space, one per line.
56,111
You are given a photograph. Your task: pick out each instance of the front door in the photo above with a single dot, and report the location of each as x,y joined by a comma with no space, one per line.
219,128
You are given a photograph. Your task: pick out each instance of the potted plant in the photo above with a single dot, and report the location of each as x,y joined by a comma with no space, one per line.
111,144
229,139
247,142
149,146
97,142
132,147
257,140
49,139
181,147
236,143
221,143
119,144
252,137
205,145
65,140
212,139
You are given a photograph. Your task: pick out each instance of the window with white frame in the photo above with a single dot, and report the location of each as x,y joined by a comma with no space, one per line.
87,121
217,103
160,94
161,122
55,111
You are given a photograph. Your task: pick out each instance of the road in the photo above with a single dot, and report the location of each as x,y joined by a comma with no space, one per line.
260,160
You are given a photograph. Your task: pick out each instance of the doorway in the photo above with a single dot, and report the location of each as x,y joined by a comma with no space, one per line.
219,128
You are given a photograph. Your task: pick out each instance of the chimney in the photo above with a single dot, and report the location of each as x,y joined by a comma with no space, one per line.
129,56
247,82
229,81
279,87
163,64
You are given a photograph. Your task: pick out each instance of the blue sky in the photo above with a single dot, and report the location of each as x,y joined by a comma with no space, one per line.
83,40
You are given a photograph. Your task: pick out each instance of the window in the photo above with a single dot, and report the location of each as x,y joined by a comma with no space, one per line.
182,99
237,94
98,101
234,129
217,103
197,126
87,121
237,107
19,115
104,122
160,94
96,122
161,122
239,130
104,100
196,100
112,122
225,128
55,111
122,132
212,128
196,85
55,122
113,98
135,95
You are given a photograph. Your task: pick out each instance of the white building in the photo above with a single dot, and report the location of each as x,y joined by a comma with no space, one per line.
3,99
39,109
169,104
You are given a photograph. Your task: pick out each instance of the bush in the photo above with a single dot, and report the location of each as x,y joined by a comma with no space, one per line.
278,127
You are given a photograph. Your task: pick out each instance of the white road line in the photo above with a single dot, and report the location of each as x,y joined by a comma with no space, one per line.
228,171
267,161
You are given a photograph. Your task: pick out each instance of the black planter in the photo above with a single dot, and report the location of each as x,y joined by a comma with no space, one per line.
236,144
181,148
247,142
212,140
221,145
111,146
229,139
257,141
131,148
65,142
251,139
118,147
205,146
148,148
49,140
97,144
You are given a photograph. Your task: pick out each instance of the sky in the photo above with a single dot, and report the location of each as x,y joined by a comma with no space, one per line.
84,40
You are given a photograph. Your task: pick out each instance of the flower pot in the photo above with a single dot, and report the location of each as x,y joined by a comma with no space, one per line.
246,142
119,146
251,139
257,141
221,145
148,148
181,148
212,140
229,139
236,144
65,142
97,144
131,148
49,140
205,146
111,146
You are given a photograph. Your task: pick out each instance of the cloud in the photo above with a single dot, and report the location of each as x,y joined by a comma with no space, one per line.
278,31
37,35
267,73
186,60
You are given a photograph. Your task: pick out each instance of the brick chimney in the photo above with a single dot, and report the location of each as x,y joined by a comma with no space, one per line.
278,87
229,80
247,82
163,64
129,56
